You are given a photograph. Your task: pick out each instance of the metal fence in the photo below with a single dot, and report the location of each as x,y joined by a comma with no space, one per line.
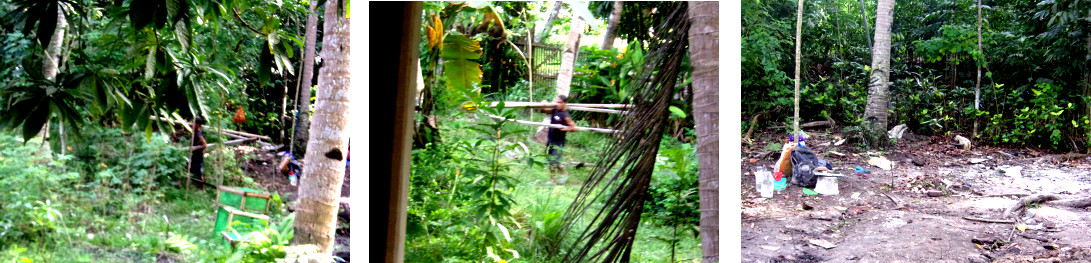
547,63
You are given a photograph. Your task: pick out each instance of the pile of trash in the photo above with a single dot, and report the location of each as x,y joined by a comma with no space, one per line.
799,163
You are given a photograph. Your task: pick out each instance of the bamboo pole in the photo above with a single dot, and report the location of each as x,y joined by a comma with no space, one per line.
233,142
516,104
225,131
558,126
597,110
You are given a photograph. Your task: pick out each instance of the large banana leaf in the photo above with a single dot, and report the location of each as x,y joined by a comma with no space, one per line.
461,71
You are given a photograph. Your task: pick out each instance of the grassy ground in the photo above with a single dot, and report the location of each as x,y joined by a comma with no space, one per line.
118,212
538,207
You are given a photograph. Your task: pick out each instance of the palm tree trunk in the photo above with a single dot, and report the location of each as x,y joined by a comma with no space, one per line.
867,28
53,48
549,22
304,120
875,114
799,37
977,86
704,48
568,58
611,28
320,185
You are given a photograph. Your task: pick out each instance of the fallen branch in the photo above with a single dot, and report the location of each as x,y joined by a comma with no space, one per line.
1007,195
753,124
1029,236
762,155
1021,205
1077,203
986,220
558,126
897,204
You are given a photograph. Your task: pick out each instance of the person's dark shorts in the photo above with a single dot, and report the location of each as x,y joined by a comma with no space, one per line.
198,169
555,149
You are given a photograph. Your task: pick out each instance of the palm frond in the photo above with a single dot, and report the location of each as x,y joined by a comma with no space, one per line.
617,187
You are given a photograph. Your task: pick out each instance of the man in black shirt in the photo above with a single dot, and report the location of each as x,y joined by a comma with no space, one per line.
556,140
197,159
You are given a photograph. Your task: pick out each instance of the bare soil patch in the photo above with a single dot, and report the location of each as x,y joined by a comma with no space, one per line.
893,219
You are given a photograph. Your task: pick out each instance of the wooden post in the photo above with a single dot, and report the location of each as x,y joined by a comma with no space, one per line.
390,171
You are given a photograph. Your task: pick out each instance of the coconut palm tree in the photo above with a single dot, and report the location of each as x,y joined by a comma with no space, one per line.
303,119
324,168
704,52
875,113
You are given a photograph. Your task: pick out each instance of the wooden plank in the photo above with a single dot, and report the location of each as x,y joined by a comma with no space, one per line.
236,211
517,104
558,126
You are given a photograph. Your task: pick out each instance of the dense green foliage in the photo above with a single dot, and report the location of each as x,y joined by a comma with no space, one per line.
477,194
94,179
122,61
1033,90
115,200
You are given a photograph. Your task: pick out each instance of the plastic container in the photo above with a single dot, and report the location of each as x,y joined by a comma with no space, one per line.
763,181
827,185
780,185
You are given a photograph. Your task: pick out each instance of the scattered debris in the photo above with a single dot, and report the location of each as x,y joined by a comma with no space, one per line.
881,162
897,131
897,204
977,160
823,243
856,195
836,153
770,248
1013,171
809,192
840,142
805,206
963,142
917,162
860,171
1007,154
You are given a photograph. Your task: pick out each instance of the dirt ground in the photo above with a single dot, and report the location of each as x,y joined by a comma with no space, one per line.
864,223
262,167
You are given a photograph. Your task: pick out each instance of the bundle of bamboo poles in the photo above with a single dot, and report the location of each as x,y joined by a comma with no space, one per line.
571,106
520,104
558,126
237,137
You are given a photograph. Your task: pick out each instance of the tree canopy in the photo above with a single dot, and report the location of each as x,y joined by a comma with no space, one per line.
1034,56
